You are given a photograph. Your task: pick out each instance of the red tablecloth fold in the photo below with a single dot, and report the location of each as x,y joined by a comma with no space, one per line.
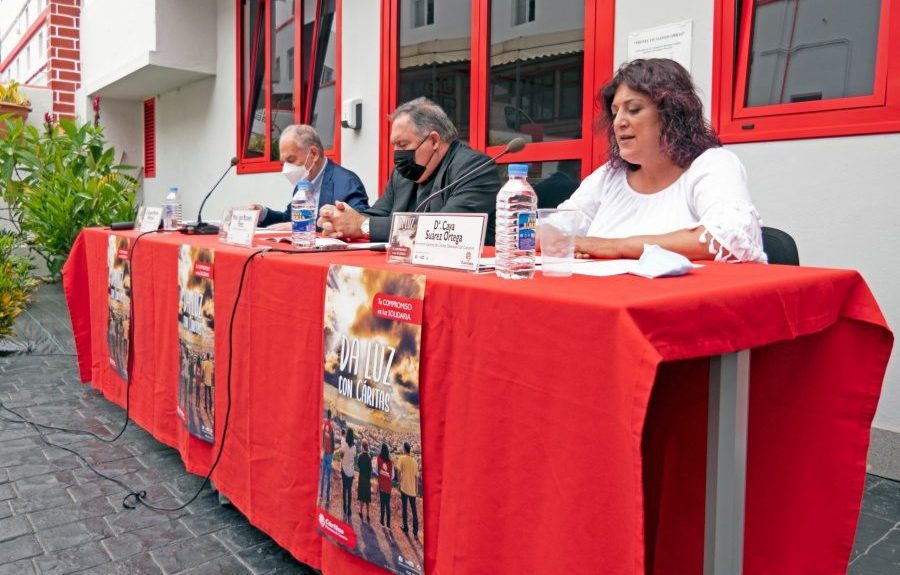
564,421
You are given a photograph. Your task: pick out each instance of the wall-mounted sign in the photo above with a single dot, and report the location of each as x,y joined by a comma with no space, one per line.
671,41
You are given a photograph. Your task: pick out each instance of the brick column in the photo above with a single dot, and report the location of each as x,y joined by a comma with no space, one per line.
64,55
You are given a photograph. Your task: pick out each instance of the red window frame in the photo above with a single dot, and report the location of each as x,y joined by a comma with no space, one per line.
590,149
736,123
301,102
150,138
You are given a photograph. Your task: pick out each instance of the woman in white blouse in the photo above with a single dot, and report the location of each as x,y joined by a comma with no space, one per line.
668,181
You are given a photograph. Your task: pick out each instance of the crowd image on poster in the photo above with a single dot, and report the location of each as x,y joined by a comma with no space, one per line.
119,292
370,480
196,341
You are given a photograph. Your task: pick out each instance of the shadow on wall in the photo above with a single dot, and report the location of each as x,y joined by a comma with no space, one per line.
41,103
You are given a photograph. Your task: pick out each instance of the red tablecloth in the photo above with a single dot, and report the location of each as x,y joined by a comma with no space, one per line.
564,420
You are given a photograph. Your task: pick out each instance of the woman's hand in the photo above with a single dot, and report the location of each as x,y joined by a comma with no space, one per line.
601,248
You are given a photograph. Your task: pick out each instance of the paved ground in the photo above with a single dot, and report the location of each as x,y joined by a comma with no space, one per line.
57,517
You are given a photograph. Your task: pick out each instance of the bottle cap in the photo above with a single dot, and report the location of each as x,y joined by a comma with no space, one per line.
518,170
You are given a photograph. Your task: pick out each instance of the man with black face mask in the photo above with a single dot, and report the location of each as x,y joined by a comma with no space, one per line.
427,157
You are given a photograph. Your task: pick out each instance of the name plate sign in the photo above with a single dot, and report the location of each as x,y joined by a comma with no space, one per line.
149,218
436,239
238,227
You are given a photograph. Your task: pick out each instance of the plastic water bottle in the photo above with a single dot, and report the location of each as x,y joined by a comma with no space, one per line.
171,216
303,217
516,226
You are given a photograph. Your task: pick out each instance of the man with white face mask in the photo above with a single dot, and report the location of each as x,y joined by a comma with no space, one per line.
301,150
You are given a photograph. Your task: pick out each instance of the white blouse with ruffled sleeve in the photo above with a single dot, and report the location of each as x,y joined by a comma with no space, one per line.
711,193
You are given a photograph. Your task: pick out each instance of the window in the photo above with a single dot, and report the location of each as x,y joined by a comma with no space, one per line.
523,12
790,69
150,138
553,182
437,64
41,45
271,33
422,13
532,73
290,63
498,82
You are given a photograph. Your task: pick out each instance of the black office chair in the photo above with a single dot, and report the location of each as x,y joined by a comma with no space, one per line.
780,247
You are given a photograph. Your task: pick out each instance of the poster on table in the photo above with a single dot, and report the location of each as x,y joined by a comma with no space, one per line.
370,478
119,291
196,341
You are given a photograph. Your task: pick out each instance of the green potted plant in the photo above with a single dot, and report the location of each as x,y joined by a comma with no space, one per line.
16,283
59,179
12,102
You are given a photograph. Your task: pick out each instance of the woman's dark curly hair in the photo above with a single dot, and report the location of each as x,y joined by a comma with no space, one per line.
684,132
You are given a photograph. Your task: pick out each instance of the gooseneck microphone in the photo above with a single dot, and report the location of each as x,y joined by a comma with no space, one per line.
514,145
206,229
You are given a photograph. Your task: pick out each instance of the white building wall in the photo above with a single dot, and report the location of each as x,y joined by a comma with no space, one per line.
361,78
196,138
116,38
837,196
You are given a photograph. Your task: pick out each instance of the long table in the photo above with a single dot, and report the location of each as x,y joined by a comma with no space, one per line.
564,421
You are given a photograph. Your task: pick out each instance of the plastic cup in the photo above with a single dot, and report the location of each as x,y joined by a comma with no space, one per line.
557,230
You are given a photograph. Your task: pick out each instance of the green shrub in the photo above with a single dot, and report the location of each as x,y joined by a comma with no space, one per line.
59,180
16,283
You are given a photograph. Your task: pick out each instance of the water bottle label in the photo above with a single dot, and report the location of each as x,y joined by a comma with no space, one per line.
303,220
527,224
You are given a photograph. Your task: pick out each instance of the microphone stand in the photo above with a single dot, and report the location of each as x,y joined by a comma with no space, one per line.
515,145
200,228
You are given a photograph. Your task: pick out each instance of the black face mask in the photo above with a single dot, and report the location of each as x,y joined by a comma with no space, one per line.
405,162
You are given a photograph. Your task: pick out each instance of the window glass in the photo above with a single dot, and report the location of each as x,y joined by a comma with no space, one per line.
535,83
436,62
254,53
523,11
282,38
553,181
805,50
323,93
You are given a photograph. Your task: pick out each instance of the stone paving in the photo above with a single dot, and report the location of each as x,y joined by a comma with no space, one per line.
58,517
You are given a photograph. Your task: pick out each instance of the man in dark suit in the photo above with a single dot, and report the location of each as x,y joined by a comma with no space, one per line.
301,150
427,157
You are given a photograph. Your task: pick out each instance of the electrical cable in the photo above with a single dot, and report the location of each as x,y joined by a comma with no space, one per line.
24,419
140,496
135,498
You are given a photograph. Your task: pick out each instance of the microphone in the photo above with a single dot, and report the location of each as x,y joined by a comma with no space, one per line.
206,229
514,145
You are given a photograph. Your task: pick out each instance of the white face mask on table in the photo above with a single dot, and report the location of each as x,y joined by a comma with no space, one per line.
659,262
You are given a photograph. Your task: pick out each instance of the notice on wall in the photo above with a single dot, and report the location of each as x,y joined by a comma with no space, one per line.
119,292
370,481
671,41
196,341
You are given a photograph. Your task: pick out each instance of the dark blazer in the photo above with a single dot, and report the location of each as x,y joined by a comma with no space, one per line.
338,184
477,194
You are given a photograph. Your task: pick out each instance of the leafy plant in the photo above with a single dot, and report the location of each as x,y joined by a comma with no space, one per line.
16,283
59,180
10,94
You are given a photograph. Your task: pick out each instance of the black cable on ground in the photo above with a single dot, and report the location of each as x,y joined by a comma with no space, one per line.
35,424
135,498
140,496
